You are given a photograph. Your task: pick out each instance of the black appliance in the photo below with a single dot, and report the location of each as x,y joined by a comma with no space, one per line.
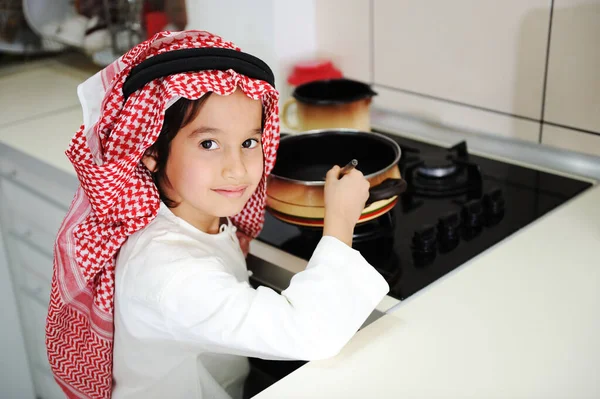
457,205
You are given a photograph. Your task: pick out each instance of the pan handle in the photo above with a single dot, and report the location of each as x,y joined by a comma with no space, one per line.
386,189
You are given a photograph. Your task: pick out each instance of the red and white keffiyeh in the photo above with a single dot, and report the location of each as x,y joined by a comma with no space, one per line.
117,197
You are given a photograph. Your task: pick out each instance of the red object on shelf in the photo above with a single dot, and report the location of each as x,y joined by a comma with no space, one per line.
155,22
309,71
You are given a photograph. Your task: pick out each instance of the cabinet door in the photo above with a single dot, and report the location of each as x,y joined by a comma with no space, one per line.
34,199
483,53
15,379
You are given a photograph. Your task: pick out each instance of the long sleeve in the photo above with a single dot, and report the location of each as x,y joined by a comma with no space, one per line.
206,308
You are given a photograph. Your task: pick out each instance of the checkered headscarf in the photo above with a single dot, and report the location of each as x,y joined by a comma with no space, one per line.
118,197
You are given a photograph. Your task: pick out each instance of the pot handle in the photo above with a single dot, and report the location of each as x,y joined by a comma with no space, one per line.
386,189
284,114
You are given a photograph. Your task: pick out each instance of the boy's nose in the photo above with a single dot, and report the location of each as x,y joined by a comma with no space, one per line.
234,167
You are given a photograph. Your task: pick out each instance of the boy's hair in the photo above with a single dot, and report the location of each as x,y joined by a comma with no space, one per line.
177,116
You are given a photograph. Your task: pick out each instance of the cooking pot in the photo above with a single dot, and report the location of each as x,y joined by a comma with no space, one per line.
331,103
295,190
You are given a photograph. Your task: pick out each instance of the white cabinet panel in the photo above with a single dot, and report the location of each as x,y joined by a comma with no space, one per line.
36,333
485,53
573,91
33,207
46,385
33,202
35,270
344,36
15,379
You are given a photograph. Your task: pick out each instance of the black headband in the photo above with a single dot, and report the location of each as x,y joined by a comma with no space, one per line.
192,60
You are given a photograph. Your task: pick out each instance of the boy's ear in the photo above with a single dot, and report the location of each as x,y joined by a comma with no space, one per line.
149,161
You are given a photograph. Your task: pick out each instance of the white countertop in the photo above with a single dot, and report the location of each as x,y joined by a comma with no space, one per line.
40,109
520,320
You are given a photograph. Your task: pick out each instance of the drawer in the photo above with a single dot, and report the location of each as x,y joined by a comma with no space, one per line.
39,383
24,230
39,179
28,256
37,210
46,386
35,322
35,287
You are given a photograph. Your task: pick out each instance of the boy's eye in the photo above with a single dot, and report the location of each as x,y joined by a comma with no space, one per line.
250,143
209,145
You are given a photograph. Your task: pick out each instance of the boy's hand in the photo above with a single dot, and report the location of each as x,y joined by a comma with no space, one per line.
345,200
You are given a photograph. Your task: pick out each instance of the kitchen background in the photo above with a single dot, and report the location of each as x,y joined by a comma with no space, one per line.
522,70
527,70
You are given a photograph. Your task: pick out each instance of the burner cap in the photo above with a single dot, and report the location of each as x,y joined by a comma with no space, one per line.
437,171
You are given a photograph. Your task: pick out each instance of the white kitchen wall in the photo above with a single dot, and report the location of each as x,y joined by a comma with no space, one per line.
344,35
526,69
280,32
573,91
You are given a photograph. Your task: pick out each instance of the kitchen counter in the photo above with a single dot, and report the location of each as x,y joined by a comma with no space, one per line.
520,320
40,108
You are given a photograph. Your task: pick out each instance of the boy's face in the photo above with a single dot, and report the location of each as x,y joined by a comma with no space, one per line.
216,161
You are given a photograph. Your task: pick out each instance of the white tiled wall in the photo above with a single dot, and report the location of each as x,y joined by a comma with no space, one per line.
571,139
280,32
482,65
345,40
480,52
574,65
448,114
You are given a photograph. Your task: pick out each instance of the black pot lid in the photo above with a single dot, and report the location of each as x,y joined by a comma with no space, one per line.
332,91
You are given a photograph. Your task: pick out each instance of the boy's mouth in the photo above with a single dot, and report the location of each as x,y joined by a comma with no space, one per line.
231,191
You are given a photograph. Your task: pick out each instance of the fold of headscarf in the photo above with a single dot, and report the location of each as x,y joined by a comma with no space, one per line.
118,197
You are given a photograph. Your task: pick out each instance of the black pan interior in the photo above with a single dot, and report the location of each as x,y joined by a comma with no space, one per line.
308,157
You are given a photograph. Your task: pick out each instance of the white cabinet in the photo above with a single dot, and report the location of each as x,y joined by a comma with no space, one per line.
484,53
15,380
34,199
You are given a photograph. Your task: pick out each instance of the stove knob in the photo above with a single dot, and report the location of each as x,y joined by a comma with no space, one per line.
424,244
472,214
424,239
493,205
448,231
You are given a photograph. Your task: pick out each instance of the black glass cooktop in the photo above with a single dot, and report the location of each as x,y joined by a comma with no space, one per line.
457,205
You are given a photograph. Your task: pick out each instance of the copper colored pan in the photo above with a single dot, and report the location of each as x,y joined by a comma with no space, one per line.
295,191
